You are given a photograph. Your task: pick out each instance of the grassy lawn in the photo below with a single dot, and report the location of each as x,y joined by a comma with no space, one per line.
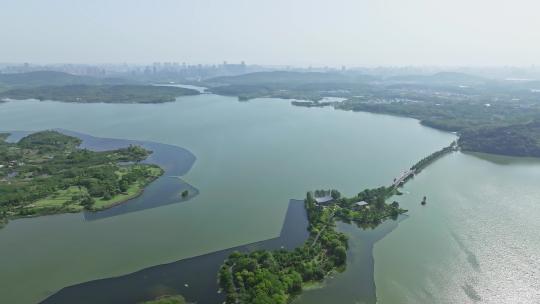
167,300
61,197
132,192
156,171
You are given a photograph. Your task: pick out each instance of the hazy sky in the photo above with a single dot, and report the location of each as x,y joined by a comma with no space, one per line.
296,32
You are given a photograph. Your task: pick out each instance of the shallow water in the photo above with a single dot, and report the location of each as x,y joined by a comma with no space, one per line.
193,278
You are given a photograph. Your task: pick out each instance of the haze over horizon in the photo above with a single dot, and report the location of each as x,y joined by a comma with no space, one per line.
277,32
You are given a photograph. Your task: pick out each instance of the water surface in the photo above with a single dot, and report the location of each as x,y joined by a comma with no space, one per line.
476,241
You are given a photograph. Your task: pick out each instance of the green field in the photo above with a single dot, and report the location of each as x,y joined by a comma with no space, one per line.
167,300
63,198
133,191
60,199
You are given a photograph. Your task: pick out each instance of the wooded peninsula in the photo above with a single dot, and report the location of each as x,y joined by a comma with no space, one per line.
47,173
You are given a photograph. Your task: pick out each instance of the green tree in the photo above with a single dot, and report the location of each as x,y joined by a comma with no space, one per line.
379,202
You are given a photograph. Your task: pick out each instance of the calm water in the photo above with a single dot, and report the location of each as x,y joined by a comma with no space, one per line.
251,159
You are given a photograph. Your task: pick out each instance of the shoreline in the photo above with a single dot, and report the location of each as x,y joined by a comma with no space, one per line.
295,102
307,103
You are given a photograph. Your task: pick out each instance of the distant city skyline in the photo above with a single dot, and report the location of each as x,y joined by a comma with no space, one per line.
352,33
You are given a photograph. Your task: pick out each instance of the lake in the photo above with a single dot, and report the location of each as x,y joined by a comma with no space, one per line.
251,159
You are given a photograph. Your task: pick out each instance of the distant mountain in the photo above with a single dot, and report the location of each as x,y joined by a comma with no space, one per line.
52,78
440,78
289,85
291,78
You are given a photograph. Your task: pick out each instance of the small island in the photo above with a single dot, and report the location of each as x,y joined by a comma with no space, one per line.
184,194
47,173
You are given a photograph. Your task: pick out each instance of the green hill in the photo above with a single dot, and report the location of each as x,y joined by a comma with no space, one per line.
515,140
289,85
291,78
100,93
51,78
440,78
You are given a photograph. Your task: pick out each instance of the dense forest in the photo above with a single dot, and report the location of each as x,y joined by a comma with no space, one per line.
515,140
46,172
278,276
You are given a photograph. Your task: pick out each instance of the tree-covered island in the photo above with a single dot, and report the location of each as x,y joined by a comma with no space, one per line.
47,173
277,277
